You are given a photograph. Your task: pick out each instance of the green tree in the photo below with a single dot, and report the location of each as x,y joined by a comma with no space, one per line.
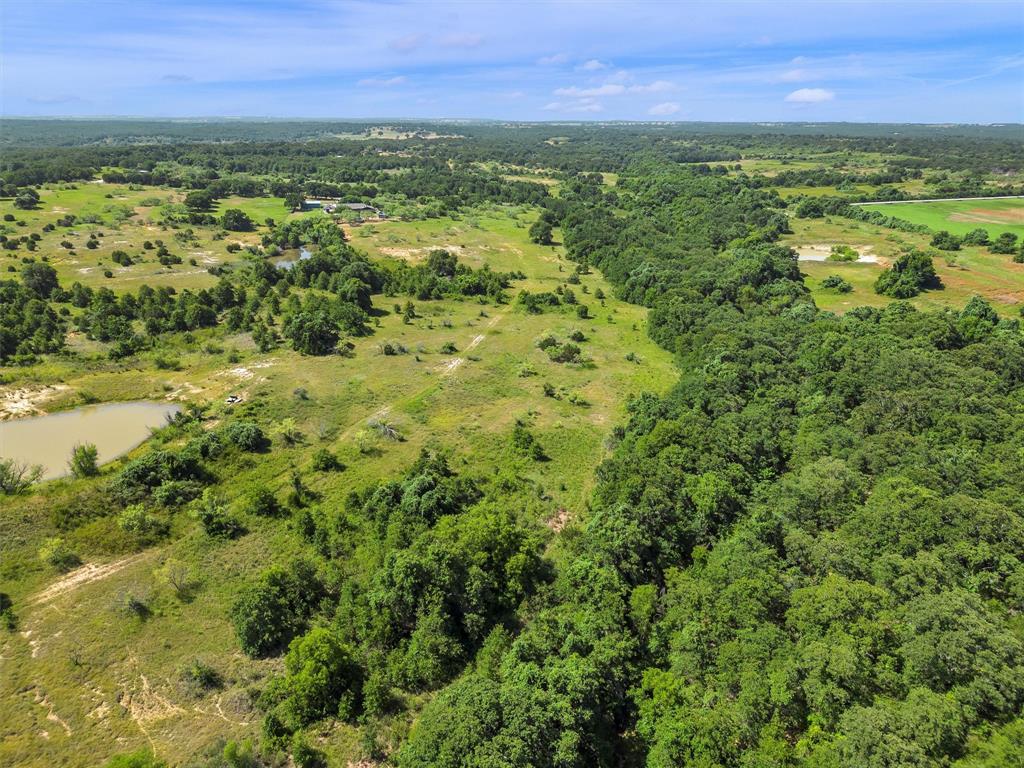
1005,243
40,278
83,460
200,200
235,220
911,273
312,333
322,679
541,232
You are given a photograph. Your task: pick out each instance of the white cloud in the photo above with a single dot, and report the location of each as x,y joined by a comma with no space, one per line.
615,89
407,43
580,105
658,86
381,82
664,109
592,65
558,58
461,41
795,76
810,96
608,89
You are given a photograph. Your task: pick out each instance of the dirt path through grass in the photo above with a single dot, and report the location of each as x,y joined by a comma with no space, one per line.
79,577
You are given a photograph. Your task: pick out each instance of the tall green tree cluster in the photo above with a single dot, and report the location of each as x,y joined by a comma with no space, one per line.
808,553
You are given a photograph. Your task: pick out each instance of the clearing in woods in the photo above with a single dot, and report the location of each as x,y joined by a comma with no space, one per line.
117,696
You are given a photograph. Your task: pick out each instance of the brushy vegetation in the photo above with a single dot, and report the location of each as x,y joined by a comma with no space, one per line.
807,552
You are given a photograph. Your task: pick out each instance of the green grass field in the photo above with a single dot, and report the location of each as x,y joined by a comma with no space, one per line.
126,218
965,273
961,216
81,680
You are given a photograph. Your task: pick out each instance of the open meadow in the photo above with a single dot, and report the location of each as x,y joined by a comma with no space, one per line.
66,682
961,216
539,444
970,271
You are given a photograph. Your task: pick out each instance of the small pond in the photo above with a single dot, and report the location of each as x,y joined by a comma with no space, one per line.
114,428
304,253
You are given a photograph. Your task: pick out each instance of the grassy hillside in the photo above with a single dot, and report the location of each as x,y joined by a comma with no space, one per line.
65,677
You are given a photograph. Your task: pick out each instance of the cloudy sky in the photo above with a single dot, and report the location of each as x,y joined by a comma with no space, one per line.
508,59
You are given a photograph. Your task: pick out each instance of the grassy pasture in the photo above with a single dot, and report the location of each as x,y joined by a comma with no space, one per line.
126,218
98,682
965,273
961,216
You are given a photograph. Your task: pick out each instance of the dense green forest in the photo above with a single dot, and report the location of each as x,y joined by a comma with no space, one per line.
808,552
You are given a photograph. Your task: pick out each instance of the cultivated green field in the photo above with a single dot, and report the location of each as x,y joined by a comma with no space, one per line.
962,216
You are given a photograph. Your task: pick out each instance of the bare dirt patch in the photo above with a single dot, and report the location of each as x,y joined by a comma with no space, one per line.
420,254
79,577
451,366
990,216
559,520
244,373
27,401
41,699
822,251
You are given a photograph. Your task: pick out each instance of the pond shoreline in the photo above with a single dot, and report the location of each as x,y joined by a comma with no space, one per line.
114,428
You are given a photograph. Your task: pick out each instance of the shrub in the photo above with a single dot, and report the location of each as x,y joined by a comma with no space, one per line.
211,512
325,461
83,461
911,273
547,341
1005,243
142,758
198,677
56,553
945,241
322,679
525,443
835,282
235,220
7,618
565,353
843,253
271,611
263,503
174,493
178,576
976,237
17,477
135,519
246,436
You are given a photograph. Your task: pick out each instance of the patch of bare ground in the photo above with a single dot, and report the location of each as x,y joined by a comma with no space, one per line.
822,251
451,366
79,577
183,391
27,401
40,698
990,216
559,520
419,254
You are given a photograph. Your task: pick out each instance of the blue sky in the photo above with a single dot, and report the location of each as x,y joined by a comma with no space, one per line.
760,61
